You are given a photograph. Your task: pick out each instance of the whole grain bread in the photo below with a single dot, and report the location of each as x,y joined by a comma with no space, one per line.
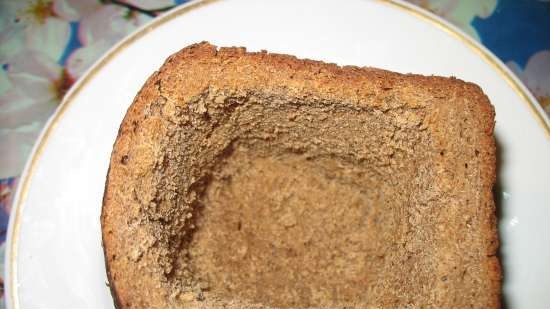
258,180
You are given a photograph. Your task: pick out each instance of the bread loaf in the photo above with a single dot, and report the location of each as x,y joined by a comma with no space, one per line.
258,180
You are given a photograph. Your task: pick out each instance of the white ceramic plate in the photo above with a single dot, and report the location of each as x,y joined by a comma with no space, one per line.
55,258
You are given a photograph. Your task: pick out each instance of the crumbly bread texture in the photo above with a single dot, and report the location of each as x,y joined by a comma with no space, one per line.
258,180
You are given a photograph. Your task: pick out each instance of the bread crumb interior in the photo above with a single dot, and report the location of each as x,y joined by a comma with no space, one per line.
292,204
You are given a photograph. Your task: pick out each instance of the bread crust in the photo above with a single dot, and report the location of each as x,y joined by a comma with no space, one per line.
238,70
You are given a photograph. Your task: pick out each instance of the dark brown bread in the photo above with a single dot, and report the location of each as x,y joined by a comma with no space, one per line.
257,180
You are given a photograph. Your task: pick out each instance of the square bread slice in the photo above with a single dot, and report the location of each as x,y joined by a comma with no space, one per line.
258,180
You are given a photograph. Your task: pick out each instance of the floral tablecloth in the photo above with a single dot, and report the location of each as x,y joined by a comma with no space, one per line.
46,45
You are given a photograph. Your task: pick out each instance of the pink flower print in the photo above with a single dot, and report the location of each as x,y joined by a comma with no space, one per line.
32,25
33,86
99,31
73,10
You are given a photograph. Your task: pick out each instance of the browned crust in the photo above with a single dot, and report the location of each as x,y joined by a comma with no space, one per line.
300,78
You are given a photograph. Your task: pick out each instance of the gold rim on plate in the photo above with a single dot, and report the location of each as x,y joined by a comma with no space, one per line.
15,220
